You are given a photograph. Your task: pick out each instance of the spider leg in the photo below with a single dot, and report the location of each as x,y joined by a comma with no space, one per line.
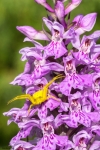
51,96
30,108
21,97
55,78
45,88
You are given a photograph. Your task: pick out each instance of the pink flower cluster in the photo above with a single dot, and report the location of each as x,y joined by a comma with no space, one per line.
73,122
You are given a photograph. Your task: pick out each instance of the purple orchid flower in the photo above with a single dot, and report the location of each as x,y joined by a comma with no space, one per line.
76,115
80,140
95,59
18,115
72,79
25,129
39,67
34,51
95,129
26,81
86,47
94,95
84,23
84,50
49,139
12,113
56,47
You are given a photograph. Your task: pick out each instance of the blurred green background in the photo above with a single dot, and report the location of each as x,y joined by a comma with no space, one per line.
18,13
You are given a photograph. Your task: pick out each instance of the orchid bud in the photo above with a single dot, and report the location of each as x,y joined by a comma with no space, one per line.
71,6
60,12
45,4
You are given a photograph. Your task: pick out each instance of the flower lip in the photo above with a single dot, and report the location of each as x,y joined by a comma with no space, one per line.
87,42
20,148
96,77
47,128
77,95
74,102
98,57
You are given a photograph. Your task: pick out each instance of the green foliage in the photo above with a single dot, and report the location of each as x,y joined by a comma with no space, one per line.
18,13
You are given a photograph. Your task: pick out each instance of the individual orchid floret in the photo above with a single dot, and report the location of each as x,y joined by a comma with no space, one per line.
84,23
34,52
12,114
81,139
41,68
95,59
56,47
95,129
72,79
88,43
45,4
43,109
72,5
18,115
95,62
50,140
26,52
25,74
83,55
25,129
35,68
87,47
96,84
94,95
76,115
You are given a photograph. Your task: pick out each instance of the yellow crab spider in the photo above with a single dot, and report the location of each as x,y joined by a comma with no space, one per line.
39,96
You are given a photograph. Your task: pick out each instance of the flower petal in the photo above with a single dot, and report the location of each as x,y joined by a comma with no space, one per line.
31,33
72,5
60,12
88,21
48,23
